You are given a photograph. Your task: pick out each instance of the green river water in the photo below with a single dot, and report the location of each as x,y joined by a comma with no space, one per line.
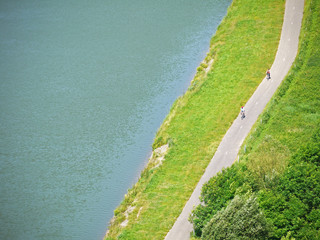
84,87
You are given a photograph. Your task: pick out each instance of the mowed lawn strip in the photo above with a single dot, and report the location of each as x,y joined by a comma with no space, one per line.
243,48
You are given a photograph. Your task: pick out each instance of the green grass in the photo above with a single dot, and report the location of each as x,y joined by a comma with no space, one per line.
279,161
293,113
243,48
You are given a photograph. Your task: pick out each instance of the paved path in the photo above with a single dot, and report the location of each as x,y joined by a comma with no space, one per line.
228,149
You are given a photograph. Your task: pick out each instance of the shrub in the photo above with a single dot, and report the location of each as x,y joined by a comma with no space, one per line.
218,192
241,219
204,65
294,204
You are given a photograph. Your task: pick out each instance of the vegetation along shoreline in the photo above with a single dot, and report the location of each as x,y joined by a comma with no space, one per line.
243,47
273,192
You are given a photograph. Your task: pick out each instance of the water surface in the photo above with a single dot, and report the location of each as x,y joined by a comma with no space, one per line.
84,87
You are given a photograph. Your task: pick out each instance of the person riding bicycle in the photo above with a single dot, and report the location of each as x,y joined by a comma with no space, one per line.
268,74
242,112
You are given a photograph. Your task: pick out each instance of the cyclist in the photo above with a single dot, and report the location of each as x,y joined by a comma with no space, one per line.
242,113
268,74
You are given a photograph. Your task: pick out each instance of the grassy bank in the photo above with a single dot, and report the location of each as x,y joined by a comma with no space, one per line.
243,48
280,160
292,115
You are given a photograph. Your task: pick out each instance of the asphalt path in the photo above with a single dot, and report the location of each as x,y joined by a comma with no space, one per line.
228,149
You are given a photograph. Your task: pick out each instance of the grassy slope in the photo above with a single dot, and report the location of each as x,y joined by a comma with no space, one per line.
293,114
243,48
289,122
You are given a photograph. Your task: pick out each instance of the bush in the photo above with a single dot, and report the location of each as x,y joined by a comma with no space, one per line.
294,204
204,65
217,193
241,219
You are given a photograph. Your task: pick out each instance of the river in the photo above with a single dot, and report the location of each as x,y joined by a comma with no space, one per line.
84,87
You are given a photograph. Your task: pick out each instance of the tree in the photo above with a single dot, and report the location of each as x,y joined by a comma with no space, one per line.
217,192
241,219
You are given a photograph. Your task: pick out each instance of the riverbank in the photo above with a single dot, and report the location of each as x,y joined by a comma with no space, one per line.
230,145
242,49
279,160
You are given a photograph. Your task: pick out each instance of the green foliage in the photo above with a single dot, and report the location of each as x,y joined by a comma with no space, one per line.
288,237
200,68
281,162
310,153
198,120
292,115
217,192
290,206
274,162
241,219
204,65
294,204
